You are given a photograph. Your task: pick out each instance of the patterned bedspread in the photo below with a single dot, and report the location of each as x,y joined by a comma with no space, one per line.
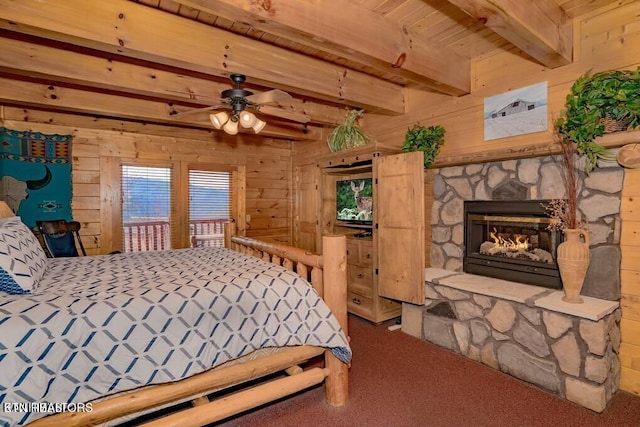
102,324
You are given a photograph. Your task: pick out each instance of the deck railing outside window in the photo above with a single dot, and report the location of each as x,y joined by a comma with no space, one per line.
155,235
207,232
146,236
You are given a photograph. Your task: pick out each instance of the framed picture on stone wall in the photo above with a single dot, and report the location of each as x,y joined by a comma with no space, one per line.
516,112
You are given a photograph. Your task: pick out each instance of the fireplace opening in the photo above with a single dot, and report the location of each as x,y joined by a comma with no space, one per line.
509,239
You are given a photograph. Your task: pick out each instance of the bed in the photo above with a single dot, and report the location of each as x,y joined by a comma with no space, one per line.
101,339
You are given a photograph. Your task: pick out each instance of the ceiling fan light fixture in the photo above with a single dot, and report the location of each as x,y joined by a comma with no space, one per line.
219,119
258,125
247,119
231,127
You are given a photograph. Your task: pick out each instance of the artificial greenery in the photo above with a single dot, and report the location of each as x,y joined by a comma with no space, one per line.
348,134
426,139
608,95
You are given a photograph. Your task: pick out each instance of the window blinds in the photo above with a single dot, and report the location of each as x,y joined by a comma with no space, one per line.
146,208
210,196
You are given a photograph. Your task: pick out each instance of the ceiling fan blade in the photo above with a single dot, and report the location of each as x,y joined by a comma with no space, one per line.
269,97
285,114
198,110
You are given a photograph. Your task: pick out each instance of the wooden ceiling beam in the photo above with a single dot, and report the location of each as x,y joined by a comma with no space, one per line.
65,99
11,115
540,28
145,34
351,31
57,65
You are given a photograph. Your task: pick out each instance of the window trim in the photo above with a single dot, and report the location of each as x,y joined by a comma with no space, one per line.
111,205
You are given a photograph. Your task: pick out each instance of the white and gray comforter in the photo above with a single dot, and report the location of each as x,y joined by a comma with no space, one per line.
103,324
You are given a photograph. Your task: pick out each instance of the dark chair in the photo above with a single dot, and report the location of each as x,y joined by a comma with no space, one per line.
58,237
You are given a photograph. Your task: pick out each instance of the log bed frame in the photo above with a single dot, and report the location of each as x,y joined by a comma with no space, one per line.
328,268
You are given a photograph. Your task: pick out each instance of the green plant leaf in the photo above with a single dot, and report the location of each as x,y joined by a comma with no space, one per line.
614,94
348,134
425,139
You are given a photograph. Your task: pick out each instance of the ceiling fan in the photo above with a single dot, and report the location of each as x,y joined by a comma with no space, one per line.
239,100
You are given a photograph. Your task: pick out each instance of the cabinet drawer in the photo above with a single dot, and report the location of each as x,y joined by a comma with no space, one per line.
359,304
363,275
353,251
389,305
366,255
364,289
360,252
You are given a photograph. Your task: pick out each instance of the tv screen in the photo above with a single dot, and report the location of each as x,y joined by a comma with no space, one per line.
354,200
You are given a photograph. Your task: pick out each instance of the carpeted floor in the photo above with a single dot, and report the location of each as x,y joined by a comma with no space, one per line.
398,380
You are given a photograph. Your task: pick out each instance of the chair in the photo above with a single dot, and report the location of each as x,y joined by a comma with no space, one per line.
58,237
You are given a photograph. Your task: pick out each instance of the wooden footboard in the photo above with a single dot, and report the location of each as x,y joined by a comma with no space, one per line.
329,269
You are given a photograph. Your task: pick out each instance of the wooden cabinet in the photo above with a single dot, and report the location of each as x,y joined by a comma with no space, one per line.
386,268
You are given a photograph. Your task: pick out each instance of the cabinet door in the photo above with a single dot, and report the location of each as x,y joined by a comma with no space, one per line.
399,216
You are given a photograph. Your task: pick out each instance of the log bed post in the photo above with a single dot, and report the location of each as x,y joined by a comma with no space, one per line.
229,230
334,254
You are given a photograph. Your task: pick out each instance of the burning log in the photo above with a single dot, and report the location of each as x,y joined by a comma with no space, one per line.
538,255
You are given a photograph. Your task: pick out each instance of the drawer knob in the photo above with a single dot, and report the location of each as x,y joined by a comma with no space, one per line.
359,275
368,256
356,301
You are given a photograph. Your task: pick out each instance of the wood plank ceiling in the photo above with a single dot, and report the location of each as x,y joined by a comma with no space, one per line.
146,59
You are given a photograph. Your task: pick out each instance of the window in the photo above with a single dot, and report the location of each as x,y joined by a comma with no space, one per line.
146,208
210,196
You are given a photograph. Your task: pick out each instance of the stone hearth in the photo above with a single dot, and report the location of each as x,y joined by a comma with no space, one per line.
525,331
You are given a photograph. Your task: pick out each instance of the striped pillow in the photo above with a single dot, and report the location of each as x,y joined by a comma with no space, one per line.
22,259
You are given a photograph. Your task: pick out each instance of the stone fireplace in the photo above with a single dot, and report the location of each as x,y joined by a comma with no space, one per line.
510,240
536,180
505,322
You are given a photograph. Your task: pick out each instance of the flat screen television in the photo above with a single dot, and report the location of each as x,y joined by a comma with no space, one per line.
354,201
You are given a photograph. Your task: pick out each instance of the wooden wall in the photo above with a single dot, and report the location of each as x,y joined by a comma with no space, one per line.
630,281
606,39
98,151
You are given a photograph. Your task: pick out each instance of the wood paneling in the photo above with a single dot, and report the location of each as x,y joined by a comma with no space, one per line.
630,282
98,154
630,356
307,202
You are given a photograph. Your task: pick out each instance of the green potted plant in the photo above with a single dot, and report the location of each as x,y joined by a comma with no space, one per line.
348,134
425,139
605,102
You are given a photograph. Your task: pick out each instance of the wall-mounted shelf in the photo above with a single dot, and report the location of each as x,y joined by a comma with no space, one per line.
611,140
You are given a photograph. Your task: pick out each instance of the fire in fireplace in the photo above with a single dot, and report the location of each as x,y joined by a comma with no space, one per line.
509,239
